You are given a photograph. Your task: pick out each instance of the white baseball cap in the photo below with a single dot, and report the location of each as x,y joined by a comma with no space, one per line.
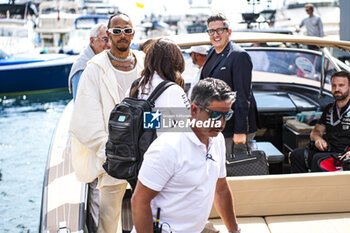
202,49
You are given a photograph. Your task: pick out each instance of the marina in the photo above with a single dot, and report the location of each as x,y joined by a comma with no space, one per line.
38,189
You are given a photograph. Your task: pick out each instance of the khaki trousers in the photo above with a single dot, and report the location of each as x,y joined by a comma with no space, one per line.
111,198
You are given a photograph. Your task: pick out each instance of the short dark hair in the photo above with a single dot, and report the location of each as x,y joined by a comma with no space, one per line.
341,73
211,89
117,14
218,17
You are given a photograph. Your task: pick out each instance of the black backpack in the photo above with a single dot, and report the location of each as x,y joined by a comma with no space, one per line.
128,140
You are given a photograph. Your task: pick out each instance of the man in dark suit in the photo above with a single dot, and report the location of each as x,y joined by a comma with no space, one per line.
232,64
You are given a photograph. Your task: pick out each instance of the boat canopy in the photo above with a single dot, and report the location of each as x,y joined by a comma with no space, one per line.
187,40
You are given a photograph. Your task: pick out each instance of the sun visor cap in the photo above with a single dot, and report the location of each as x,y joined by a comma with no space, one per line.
198,49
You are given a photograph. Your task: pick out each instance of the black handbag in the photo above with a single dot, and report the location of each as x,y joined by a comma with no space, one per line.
250,164
346,164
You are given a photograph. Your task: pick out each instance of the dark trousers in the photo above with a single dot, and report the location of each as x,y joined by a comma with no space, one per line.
304,160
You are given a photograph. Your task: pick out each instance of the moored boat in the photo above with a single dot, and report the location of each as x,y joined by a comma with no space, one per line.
17,27
293,80
55,21
43,72
79,36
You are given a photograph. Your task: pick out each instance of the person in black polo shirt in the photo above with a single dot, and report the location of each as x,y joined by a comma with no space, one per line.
332,133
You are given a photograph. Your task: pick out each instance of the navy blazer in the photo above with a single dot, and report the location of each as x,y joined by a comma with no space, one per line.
234,66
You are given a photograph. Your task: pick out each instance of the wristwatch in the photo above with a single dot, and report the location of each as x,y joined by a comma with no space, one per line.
238,231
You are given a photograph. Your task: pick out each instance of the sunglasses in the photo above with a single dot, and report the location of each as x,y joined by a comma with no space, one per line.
118,31
214,115
219,31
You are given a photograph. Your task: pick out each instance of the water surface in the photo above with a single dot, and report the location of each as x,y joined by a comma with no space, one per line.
26,127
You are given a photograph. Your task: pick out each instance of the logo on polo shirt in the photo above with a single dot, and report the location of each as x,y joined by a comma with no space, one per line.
152,120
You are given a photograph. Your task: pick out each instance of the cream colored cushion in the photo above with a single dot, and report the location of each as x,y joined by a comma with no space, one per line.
248,225
320,223
290,194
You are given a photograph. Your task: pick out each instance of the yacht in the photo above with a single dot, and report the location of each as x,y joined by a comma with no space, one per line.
290,84
17,28
79,36
56,20
196,17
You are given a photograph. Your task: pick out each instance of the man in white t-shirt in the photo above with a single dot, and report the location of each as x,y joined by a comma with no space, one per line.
198,55
183,173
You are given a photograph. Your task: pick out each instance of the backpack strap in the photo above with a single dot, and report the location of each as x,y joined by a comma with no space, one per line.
159,90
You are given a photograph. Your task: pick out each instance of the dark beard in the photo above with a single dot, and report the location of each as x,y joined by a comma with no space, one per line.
120,49
341,97
123,49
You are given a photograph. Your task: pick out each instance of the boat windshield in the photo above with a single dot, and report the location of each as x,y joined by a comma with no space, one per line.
50,10
294,62
88,23
288,62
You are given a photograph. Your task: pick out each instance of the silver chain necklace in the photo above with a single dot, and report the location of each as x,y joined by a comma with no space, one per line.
119,59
